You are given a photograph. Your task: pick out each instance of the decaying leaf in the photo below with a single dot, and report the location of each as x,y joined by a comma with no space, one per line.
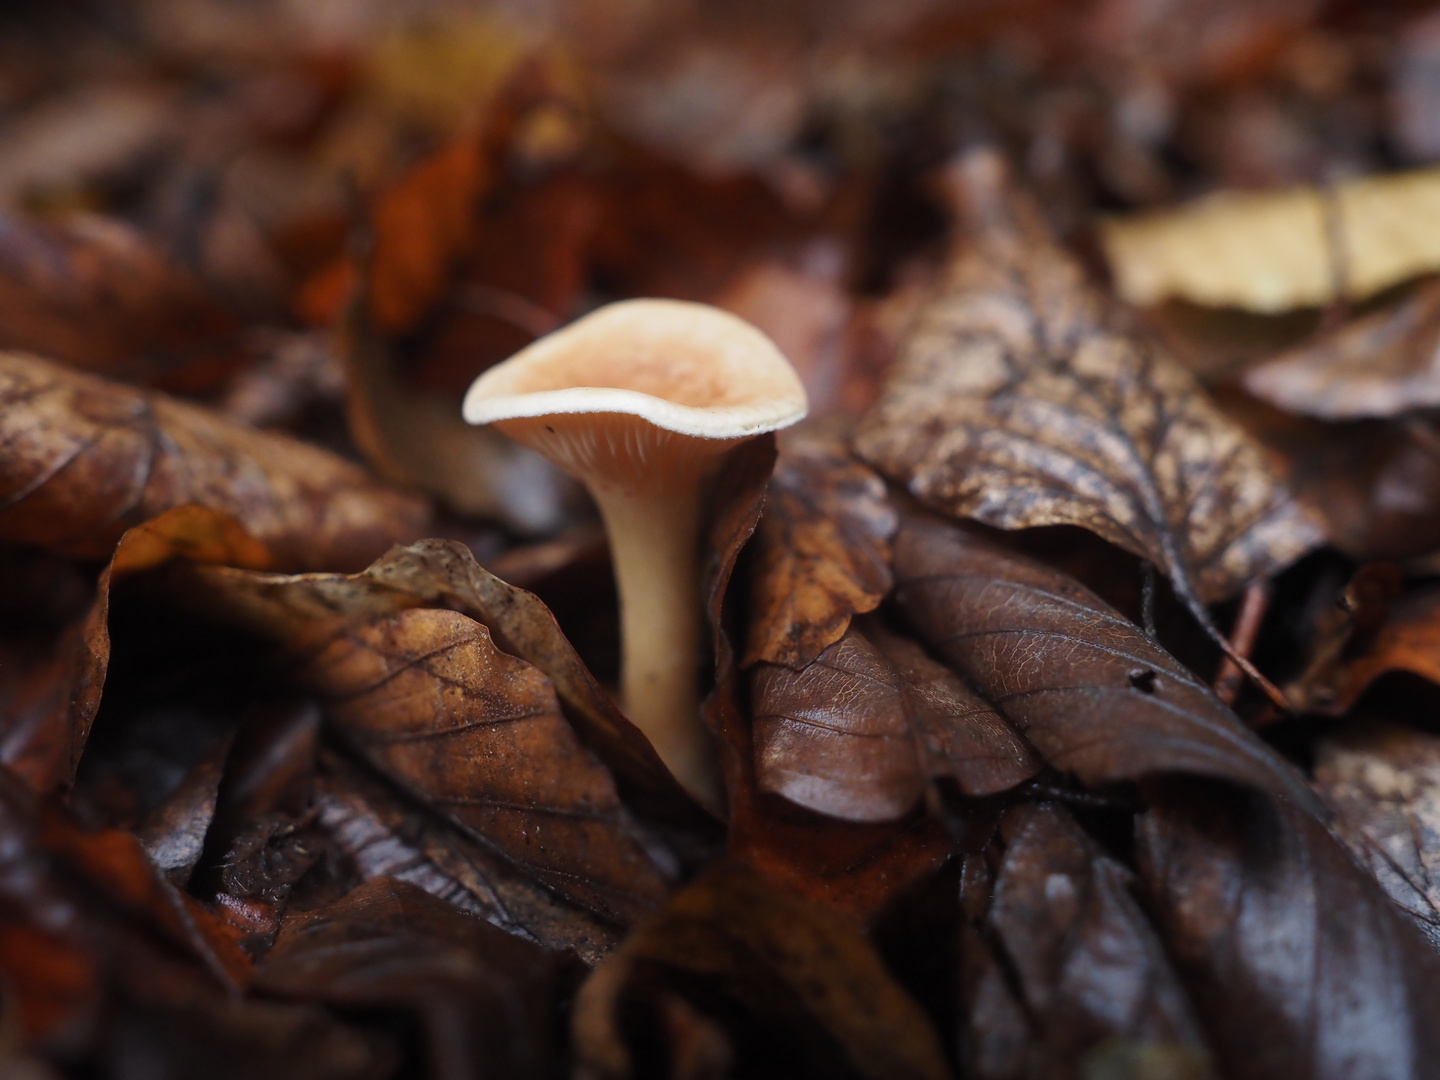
1089,690
43,733
1016,401
1384,782
822,553
85,459
386,837
1274,251
790,981
856,867
1380,365
1407,640
445,573
1087,967
860,732
487,1002
428,699
1297,961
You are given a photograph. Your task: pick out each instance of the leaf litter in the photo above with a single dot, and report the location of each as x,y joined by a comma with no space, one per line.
311,757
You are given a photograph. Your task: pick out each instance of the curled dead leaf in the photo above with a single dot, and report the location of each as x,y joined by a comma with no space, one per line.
85,459
822,553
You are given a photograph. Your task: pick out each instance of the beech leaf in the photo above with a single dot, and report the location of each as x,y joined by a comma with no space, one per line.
1017,401
1298,962
85,459
1087,688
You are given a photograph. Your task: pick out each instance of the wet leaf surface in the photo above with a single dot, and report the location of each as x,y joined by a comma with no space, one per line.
796,987
1068,958
1088,689
87,459
1018,401
487,1003
1296,959
822,553
861,731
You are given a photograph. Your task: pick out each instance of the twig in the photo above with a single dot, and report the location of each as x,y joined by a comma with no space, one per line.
1247,629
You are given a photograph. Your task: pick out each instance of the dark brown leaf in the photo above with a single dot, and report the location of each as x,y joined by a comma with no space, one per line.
822,553
861,731
445,573
1088,689
428,699
385,837
795,985
1379,365
1086,964
488,1003
93,293
1017,401
45,730
85,459
1408,640
1383,781
858,868
1297,961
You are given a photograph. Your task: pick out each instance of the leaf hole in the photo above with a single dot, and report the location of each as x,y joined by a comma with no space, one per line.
1143,679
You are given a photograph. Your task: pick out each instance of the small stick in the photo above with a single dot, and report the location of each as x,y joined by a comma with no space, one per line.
1147,599
1247,629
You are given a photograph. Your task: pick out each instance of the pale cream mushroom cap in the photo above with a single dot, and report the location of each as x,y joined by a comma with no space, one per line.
638,400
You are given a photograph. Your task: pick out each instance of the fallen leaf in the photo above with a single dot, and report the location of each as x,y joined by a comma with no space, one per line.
1089,690
1271,252
1087,966
85,459
1018,402
791,981
488,1004
173,834
93,293
821,555
43,733
1406,641
1384,782
444,573
387,837
428,699
1297,961
1378,365
861,732
856,867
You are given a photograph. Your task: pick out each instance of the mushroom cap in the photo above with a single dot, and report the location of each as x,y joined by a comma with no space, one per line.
687,368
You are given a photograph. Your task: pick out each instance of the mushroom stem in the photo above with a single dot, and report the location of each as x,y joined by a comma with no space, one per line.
654,546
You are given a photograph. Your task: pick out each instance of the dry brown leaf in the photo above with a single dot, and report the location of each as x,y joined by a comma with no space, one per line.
428,699
444,573
861,731
1379,365
43,733
85,459
1271,252
1016,401
791,977
853,866
822,553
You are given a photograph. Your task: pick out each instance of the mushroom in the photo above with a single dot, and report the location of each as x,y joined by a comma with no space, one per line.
638,401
